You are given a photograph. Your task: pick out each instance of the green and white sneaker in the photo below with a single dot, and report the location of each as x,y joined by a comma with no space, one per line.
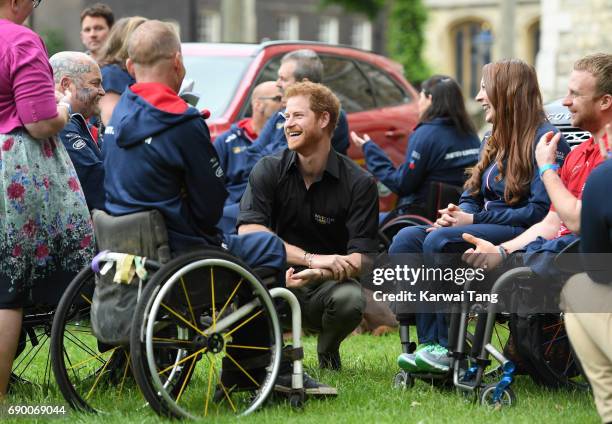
407,361
435,359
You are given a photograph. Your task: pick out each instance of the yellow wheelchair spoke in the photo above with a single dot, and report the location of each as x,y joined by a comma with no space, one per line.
96,356
247,347
227,396
231,296
242,369
210,374
162,339
193,320
178,397
127,366
99,376
86,299
186,358
212,289
180,317
242,324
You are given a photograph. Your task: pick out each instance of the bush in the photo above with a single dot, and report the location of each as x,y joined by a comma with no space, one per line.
406,38
54,40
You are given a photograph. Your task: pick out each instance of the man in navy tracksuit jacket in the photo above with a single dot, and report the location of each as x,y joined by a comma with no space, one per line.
158,155
79,74
86,156
437,152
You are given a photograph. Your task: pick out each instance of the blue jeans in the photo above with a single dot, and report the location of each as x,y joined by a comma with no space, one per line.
432,327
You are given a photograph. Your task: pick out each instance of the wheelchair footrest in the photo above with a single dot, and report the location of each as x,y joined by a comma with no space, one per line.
293,354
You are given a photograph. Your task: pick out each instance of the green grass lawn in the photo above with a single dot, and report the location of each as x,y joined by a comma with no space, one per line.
365,396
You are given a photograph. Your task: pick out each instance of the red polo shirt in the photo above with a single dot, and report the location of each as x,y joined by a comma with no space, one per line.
575,171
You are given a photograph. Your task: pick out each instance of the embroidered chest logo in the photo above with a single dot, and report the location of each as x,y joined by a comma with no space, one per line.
79,144
325,220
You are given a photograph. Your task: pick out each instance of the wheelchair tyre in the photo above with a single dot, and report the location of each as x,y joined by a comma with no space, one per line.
403,380
83,368
297,400
560,360
202,317
508,398
389,229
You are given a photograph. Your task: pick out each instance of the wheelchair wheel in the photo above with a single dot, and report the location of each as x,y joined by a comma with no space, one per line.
403,380
32,365
559,357
89,374
389,229
506,397
219,322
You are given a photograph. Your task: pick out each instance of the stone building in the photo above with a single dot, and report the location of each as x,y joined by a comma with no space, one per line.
462,35
248,21
571,29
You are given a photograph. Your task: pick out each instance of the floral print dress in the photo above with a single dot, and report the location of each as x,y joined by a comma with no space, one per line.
46,234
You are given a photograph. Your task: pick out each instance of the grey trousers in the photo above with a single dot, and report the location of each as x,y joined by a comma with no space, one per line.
333,309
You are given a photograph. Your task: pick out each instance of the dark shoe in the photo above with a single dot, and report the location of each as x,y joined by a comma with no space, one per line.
330,361
311,386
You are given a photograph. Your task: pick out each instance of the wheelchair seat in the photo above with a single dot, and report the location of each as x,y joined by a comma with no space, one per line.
142,234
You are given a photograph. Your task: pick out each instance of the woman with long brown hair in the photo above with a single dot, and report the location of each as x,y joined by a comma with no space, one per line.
504,194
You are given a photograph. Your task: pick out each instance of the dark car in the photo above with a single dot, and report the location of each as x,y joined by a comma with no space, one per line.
560,117
373,91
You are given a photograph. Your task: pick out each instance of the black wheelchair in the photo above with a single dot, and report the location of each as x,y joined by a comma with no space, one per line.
32,366
439,195
199,333
481,330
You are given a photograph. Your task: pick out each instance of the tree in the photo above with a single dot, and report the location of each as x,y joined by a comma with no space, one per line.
54,40
406,39
371,8
405,31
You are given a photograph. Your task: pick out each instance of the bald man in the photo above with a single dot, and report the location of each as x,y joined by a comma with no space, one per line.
79,74
158,155
230,146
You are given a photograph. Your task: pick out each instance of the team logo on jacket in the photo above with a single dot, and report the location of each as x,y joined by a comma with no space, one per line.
280,125
79,144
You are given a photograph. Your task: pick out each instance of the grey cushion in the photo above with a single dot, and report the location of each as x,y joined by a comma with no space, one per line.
140,234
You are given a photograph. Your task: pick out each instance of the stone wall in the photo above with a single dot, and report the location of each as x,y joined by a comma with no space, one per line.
571,29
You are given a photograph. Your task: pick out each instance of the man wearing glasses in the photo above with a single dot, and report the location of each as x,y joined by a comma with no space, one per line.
230,146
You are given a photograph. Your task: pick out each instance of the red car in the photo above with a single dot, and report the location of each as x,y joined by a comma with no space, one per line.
372,89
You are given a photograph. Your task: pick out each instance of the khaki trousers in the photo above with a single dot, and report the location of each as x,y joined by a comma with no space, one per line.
590,333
